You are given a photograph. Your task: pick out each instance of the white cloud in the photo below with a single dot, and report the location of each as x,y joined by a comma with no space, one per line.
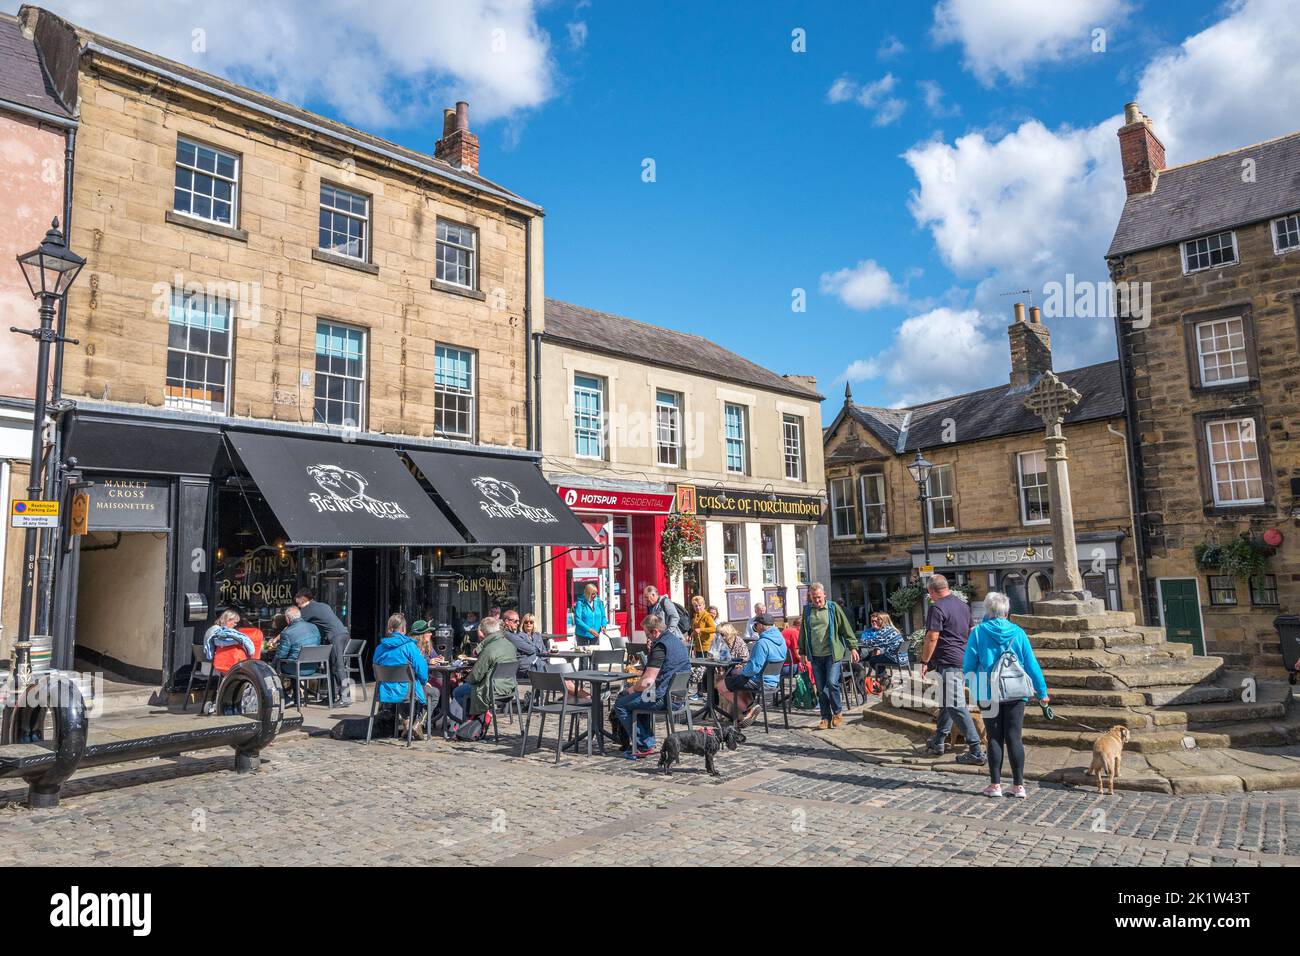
933,355
493,54
874,96
891,46
863,287
933,97
1235,83
577,34
1006,37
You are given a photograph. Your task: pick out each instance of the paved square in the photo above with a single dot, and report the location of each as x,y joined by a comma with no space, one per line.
791,797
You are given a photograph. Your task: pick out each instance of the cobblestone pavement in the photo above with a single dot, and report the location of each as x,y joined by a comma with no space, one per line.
789,798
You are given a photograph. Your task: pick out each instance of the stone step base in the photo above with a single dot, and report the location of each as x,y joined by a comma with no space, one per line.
1035,623
1131,637
1174,676
1105,659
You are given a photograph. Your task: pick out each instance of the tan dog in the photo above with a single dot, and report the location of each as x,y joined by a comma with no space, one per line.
1106,754
979,729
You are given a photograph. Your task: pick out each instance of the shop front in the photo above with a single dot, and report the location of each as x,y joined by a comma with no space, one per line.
188,520
625,525
1022,569
759,547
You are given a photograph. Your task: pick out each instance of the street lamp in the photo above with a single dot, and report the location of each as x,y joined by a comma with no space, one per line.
49,269
920,470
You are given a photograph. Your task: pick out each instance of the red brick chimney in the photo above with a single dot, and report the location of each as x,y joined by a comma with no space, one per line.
1031,346
458,145
1140,151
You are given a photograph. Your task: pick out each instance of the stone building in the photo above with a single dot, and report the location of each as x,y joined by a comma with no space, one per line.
636,417
38,129
306,359
1212,372
987,510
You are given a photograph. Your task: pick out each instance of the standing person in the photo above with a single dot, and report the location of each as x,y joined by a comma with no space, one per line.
662,608
589,617
1004,720
947,627
665,660
395,650
826,637
703,627
333,633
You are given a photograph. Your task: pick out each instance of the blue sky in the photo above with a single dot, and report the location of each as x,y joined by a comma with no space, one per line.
914,162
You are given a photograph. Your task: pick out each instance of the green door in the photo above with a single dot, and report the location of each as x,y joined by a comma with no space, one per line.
1182,612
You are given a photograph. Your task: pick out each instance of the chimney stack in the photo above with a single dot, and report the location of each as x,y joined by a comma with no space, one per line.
1141,153
458,145
1031,346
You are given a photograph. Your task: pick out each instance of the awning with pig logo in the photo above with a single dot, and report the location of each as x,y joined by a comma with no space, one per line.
331,492
501,501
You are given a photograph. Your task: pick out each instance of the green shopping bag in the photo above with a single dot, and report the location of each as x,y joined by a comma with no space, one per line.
804,698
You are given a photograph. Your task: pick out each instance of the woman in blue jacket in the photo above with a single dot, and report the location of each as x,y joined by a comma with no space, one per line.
395,650
589,617
1004,719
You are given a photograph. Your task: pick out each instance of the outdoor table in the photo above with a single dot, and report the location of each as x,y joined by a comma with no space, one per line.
711,667
569,655
596,723
444,695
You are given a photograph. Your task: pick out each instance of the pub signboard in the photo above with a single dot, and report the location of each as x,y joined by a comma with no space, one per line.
751,505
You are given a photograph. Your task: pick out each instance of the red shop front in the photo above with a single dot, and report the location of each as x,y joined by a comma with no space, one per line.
628,525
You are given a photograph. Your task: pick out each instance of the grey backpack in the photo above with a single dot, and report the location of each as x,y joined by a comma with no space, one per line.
1008,680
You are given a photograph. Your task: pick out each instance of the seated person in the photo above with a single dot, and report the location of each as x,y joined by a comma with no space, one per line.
474,696
884,644
728,645
296,635
223,634
395,650
528,643
736,693
666,659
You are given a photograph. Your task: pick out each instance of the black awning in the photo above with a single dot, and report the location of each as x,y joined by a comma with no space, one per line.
501,501
331,492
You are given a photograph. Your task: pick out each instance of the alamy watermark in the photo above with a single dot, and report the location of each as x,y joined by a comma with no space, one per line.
1086,299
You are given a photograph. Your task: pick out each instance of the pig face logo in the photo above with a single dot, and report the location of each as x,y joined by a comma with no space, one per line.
501,499
346,492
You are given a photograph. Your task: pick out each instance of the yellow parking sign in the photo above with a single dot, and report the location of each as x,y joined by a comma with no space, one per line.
28,513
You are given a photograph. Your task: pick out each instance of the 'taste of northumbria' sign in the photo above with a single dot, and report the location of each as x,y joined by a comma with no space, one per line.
756,505
129,504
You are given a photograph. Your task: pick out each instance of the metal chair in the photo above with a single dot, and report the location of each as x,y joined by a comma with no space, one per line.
320,656
353,660
505,671
202,667
550,697
772,669
679,695
848,683
617,642
608,660
403,674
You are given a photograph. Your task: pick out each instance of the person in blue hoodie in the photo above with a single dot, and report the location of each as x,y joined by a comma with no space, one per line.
1003,719
395,650
738,690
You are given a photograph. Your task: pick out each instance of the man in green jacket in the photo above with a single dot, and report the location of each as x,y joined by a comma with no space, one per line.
475,695
826,638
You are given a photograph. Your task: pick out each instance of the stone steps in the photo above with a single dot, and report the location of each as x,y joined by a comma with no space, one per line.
1175,675
1106,659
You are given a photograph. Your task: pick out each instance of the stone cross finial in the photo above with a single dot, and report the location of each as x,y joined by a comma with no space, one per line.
1052,400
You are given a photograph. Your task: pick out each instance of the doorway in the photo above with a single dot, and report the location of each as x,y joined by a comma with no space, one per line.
121,622
1180,611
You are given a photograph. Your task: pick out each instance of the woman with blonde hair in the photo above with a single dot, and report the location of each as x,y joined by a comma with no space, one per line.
729,645
883,644
589,617
703,627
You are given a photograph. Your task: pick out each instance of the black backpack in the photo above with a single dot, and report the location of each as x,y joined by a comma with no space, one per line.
475,728
685,617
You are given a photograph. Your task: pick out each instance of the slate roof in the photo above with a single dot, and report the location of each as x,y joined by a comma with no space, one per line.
624,337
989,413
115,48
1209,196
23,80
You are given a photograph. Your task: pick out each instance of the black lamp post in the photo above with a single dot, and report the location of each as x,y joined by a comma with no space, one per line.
920,470
49,269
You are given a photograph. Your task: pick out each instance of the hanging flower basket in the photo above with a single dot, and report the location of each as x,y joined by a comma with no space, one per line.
683,538
1242,558
905,598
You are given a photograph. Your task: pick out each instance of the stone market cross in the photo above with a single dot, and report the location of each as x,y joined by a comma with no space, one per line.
1051,400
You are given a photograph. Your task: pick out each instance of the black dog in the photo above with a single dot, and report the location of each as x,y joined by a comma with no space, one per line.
698,742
